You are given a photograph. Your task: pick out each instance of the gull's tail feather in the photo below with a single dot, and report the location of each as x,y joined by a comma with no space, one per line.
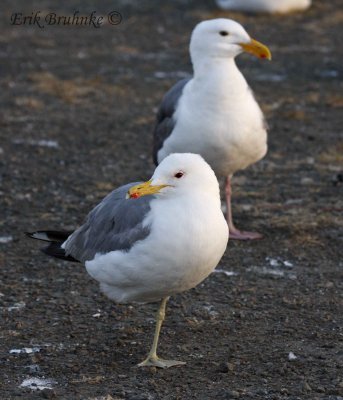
55,239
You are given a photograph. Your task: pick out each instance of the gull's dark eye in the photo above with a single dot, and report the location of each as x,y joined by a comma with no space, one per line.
223,33
179,175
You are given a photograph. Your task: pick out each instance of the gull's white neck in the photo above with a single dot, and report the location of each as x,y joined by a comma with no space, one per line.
218,74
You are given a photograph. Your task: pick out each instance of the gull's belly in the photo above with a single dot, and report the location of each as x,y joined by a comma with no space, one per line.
178,254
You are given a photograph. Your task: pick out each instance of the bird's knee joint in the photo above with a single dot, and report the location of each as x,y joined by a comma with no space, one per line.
161,314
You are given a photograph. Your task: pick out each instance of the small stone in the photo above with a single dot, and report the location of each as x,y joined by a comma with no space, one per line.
306,387
223,368
48,394
292,356
232,394
320,389
231,366
306,181
6,239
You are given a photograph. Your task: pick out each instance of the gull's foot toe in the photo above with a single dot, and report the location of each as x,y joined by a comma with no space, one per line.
159,363
244,235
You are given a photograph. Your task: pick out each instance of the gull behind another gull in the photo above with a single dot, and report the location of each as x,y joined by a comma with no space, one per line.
215,113
147,241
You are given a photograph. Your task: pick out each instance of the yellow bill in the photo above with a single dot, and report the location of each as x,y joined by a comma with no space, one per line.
257,49
144,189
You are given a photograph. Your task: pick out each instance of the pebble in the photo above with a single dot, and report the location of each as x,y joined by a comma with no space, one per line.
6,239
306,181
223,368
306,387
48,394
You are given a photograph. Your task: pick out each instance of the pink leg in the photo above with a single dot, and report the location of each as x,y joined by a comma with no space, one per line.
235,233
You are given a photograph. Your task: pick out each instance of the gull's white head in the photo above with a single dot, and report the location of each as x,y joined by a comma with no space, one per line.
223,38
180,174
187,173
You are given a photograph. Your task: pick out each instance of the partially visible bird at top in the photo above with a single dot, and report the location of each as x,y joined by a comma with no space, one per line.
147,241
214,113
264,6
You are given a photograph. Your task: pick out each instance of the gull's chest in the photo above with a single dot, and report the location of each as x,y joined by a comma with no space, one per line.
227,131
194,230
230,114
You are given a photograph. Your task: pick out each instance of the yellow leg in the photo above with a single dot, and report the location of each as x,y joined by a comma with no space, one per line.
153,360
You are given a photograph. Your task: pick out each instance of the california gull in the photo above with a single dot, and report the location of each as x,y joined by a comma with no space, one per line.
149,240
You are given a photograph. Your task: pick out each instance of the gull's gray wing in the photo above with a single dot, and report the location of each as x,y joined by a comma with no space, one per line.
114,224
164,119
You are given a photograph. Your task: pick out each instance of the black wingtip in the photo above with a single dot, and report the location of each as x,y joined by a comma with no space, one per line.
49,236
54,250
55,239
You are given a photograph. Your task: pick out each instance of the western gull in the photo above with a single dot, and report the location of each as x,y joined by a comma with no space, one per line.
264,6
214,113
147,241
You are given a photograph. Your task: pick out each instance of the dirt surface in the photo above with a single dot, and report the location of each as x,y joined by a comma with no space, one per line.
78,107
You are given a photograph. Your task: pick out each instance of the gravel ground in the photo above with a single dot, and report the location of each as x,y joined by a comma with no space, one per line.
78,107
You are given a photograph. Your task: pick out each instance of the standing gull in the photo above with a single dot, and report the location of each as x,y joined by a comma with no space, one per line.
264,6
215,113
147,241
